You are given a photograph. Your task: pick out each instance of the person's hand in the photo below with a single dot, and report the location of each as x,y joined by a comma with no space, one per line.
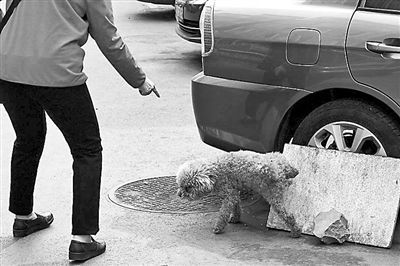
147,88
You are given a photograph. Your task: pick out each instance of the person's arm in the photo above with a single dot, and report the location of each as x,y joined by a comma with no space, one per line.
104,32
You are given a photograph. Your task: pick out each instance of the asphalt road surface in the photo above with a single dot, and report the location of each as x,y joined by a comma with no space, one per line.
149,137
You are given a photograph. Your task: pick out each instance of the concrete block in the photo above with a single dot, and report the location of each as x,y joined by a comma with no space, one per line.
365,189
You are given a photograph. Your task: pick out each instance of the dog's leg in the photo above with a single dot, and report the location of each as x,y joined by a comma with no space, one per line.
230,201
289,219
235,215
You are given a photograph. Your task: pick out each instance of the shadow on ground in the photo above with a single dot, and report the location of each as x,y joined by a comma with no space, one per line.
156,14
192,60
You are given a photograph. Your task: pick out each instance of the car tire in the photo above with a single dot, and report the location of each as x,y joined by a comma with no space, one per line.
359,127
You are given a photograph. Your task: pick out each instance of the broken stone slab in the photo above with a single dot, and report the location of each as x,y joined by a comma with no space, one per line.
331,227
365,188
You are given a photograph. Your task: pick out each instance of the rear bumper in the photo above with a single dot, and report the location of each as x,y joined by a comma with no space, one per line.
233,115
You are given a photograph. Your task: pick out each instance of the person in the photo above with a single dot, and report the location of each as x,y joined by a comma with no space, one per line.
41,71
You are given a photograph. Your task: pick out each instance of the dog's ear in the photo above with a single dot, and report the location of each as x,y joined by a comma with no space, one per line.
212,177
207,180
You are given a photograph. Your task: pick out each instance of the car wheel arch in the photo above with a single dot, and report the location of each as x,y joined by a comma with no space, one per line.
298,111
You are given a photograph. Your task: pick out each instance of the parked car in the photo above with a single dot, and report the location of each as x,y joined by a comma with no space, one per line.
159,2
187,13
311,72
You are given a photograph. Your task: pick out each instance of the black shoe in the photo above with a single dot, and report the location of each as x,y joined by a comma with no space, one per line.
84,251
26,227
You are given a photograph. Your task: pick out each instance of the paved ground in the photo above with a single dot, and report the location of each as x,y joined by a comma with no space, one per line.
145,137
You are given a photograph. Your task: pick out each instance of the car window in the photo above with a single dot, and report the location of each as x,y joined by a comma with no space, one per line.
382,4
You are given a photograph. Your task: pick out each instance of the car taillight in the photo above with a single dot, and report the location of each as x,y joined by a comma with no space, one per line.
207,28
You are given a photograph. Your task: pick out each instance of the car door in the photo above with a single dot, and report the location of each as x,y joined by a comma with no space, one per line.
373,46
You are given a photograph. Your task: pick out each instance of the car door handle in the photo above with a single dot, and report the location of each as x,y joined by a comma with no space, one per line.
381,48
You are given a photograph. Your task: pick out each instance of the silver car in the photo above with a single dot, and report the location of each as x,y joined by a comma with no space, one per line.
323,73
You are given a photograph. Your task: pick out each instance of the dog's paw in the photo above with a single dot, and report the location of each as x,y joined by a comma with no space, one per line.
218,230
234,219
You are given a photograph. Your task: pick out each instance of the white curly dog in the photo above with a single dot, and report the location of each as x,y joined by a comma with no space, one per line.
229,174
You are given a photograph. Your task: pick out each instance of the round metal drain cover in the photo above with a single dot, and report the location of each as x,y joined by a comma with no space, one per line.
158,194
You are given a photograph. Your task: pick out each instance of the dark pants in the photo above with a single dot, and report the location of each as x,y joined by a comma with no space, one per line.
71,109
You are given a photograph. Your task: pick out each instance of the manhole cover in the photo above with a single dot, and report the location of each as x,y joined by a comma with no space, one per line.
158,194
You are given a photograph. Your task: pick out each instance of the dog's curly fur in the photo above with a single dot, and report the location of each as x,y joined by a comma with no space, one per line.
229,174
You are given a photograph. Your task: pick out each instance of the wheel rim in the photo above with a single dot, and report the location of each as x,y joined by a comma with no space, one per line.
349,137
